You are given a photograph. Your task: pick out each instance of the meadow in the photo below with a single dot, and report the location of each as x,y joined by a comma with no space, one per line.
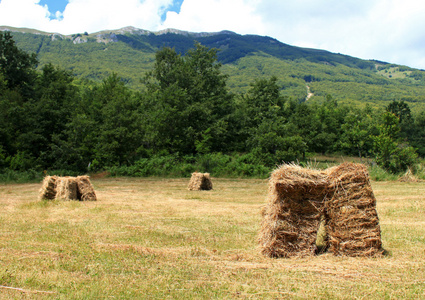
151,238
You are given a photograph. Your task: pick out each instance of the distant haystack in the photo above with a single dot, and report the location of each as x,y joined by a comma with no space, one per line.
293,213
408,177
48,188
67,188
200,181
308,210
352,220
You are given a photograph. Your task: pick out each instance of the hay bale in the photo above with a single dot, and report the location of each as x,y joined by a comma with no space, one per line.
48,188
352,220
293,212
200,181
85,190
66,188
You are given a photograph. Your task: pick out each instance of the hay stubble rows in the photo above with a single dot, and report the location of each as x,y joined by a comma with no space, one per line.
155,238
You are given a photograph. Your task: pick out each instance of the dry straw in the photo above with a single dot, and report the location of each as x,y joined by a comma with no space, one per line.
200,181
67,188
293,212
308,209
85,189
352,220
48,188
408,177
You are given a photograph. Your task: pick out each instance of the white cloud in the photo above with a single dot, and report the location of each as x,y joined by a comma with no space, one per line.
84,15
23,13
95,15
217,15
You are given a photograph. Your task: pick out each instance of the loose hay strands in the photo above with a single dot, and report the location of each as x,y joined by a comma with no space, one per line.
85,189
48,188
301,199
66,188
292,215
408,177
200,181
353,224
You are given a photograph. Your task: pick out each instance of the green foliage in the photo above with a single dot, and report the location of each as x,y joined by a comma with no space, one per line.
389,153
16,65
357,130
29,175
187,103
186,119
400,109
222,165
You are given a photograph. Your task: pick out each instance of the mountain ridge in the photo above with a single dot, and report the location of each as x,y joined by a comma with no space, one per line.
106,36
130,52
123,30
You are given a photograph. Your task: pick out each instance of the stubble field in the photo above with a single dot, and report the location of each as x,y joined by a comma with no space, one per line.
153,239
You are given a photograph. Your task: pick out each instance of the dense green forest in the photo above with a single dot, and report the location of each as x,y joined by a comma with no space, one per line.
187,116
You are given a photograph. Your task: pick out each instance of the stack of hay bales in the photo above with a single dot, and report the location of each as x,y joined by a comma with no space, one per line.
200,181
310,209
67,188
352,220
293,213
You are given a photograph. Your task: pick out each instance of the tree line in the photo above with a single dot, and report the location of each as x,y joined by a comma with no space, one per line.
49,122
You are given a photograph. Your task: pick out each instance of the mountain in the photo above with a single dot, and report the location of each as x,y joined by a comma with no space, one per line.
302,73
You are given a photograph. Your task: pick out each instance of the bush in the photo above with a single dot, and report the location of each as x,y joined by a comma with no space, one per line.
7,175
218,164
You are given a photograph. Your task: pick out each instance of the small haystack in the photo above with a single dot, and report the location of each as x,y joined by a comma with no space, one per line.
293,213
66,188
48,188
85,189
200,181
408,177
352,220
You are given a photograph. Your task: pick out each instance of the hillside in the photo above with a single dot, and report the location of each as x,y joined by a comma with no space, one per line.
130,52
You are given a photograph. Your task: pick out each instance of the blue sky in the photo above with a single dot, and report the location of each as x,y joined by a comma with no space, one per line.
387,30
60,5
55,5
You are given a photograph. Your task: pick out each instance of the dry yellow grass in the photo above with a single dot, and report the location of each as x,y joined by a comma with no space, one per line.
152,238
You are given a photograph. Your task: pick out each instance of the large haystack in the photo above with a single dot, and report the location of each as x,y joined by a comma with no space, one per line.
200,181
352,220
293,212
48,188
85,189
67,188
308,210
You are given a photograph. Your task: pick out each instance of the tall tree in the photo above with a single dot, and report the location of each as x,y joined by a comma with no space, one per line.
187,102
391,153
17,66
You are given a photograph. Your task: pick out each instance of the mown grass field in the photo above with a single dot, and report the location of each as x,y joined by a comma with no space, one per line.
154,239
